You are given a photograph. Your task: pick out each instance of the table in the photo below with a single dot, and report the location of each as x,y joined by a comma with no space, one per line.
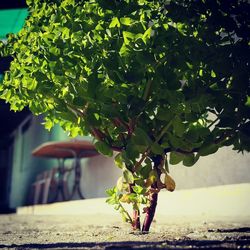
62,150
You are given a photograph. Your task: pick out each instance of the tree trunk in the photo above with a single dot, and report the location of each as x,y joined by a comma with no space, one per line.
150,212
153,199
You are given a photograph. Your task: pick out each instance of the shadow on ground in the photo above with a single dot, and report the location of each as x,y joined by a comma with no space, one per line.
242,242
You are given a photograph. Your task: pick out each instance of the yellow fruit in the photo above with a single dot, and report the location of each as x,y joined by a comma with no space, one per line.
170,183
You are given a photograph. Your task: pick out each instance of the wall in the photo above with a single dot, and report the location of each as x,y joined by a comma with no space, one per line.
224,167
99,173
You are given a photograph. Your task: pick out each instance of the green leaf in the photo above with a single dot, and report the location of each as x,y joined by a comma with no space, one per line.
132,151
189,160
124,50
128,176
111,201
175,158
166,26
141,137
208,149
128,37
247,103
147,34
126,21
145,170
164,114
48,124
213,74
114,23
65,33
152,177
74,131
54,50
103,148
138,189
190,66
119,161
179,126
111,191
157,149
175,141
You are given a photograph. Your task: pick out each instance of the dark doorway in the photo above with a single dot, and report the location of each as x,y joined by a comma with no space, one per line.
6,158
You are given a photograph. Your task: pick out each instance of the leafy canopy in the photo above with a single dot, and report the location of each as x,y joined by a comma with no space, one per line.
145,78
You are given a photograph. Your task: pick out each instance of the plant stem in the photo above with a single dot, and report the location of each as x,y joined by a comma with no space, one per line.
136,220
127,214
136,224
147,90
150,212
153,198
147,151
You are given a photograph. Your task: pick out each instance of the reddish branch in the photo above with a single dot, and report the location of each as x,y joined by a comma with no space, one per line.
150,210
118,123
131,127
136,220
98,134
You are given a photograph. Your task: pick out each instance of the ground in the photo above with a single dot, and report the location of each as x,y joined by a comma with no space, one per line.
205,218
108,232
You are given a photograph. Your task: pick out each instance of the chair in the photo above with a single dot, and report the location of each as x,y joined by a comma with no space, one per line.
47,183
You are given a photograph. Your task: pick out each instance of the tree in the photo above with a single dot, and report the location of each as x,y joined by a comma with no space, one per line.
159,82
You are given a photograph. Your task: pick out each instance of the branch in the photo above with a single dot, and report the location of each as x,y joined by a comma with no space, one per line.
147,90
147,151
144,155
149,83
211,124
98,134
224,137
124,211
131,127
118,122
77,111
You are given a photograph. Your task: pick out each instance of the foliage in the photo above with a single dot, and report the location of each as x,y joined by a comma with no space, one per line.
161,82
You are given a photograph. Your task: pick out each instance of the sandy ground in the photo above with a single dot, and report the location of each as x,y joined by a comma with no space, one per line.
212,218
82,232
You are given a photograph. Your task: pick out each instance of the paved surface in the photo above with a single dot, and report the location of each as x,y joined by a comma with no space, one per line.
81,232
212,218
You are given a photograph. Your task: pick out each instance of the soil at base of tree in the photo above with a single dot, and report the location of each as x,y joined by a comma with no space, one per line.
97,232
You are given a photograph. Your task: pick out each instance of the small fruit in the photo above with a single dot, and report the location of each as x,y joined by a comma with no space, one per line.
170,183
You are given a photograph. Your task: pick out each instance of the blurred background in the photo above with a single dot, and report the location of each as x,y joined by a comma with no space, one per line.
23,176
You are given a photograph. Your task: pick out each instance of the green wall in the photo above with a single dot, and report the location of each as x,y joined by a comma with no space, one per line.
11,21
